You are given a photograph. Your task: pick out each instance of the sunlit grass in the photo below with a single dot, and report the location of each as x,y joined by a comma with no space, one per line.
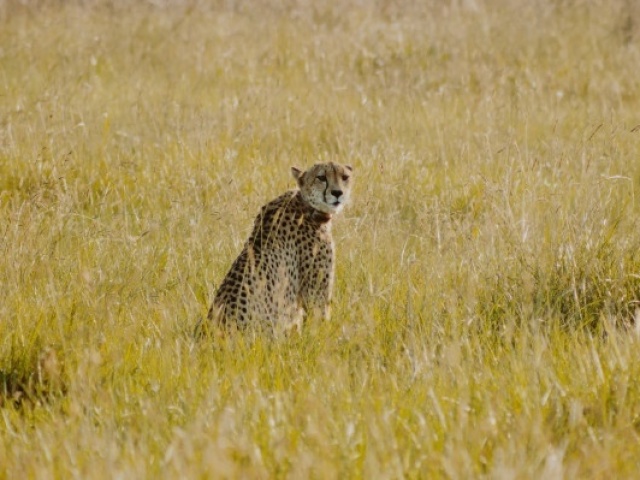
488,280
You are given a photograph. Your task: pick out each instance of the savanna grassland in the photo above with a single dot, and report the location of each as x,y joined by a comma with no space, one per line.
488,267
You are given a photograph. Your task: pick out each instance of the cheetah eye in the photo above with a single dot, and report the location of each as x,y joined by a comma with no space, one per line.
322,178
345,178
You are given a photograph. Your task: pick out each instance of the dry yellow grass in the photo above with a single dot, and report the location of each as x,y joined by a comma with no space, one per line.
488,268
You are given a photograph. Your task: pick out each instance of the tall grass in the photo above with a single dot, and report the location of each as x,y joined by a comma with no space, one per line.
488,276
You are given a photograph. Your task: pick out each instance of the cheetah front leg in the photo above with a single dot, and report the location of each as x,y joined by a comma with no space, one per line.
316,308
315,295
321,310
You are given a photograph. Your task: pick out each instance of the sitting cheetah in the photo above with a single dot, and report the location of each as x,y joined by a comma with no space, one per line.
285,270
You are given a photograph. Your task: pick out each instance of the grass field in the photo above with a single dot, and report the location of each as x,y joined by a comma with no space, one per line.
488,267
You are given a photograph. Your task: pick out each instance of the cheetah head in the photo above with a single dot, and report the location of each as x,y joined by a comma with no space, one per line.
325,186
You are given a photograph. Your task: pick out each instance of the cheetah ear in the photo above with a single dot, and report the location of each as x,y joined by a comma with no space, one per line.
297,174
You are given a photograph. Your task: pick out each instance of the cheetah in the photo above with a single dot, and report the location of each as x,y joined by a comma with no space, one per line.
285,270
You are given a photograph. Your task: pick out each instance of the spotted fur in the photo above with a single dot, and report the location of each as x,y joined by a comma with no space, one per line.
286,268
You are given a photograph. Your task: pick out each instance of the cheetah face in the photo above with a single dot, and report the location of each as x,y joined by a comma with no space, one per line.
325,186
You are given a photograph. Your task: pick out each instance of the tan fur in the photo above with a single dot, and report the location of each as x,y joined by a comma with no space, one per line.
285,270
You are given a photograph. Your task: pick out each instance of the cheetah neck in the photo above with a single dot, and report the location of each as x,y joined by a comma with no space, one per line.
316,216
320,217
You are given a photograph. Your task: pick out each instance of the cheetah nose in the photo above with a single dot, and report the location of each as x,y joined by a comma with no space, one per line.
336,193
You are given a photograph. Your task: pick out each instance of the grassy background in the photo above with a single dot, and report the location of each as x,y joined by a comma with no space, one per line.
488,271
